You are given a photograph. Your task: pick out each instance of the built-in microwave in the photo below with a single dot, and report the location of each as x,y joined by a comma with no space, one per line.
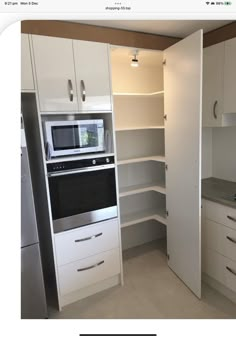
74,137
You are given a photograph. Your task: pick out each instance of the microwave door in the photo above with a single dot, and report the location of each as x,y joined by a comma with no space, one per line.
65,139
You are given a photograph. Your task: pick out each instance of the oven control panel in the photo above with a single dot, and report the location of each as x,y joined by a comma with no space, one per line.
77,164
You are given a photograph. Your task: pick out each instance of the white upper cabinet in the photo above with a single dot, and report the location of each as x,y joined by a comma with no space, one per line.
27,81
219,83
230,77
55,75
182,103
92,75
213,85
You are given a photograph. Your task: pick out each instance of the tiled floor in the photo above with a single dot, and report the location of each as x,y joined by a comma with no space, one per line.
151,290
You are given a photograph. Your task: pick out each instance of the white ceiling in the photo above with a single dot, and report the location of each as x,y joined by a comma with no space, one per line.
176,28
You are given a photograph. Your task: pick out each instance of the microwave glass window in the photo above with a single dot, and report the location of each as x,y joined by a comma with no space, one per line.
88,135
65,137
79,193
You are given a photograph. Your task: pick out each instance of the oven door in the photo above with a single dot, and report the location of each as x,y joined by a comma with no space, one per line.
82,197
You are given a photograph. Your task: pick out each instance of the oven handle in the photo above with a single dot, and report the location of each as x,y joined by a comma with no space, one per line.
81,170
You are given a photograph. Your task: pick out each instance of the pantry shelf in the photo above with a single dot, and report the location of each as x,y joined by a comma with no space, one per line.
139,217
142,159
137,189
139,128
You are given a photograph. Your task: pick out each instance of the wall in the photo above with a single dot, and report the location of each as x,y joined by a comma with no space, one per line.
219,153
224,153
206,152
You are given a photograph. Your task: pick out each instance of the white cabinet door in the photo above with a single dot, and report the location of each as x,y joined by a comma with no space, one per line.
55,74
213,85
92,75
27,81
182,102
230,77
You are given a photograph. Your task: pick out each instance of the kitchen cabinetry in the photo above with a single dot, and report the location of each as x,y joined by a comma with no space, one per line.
92,75
153,155
230,76
55,74
158,162
182,102
139,125
27,81
86,256
213,85
219,102
71,75
219,244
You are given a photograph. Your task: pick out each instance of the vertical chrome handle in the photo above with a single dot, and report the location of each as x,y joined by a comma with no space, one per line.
231,218
231,270
83,91
88,238
214,109
231,239
91,266
70,91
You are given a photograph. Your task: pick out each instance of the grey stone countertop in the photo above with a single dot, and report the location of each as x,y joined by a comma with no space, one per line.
220,191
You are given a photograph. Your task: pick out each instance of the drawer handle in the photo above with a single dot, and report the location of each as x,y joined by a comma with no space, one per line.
91,266
231,270
231,218
88,238
231,239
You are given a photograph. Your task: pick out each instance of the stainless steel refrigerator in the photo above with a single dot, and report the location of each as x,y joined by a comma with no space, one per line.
33,300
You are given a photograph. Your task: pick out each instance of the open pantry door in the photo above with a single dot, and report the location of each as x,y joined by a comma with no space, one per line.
183,110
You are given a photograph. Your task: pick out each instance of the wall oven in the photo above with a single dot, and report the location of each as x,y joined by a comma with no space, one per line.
82,192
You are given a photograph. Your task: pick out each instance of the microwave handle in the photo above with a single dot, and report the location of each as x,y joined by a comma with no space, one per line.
81,170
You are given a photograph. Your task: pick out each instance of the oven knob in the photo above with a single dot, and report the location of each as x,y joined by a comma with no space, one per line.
93,161
107,160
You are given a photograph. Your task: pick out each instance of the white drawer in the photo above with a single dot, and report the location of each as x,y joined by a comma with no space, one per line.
215,265
87,241
221,214
92,270
220,238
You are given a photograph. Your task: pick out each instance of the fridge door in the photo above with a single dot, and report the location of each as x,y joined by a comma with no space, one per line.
33,300
29,233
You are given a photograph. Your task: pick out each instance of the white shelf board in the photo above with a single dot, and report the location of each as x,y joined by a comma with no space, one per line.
139,217
139,128
142,159
78,157
159,93
137,189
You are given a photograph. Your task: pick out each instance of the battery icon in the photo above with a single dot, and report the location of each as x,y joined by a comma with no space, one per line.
227,3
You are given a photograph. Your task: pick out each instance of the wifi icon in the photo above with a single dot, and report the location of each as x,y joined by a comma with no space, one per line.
207,2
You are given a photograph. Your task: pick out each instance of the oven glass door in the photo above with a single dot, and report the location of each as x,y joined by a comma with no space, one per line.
79,194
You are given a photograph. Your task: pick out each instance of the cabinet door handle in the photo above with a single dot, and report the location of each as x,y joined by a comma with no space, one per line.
70,90
231,239
88,238
231,270
83,91
214,109
231,218
91,266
